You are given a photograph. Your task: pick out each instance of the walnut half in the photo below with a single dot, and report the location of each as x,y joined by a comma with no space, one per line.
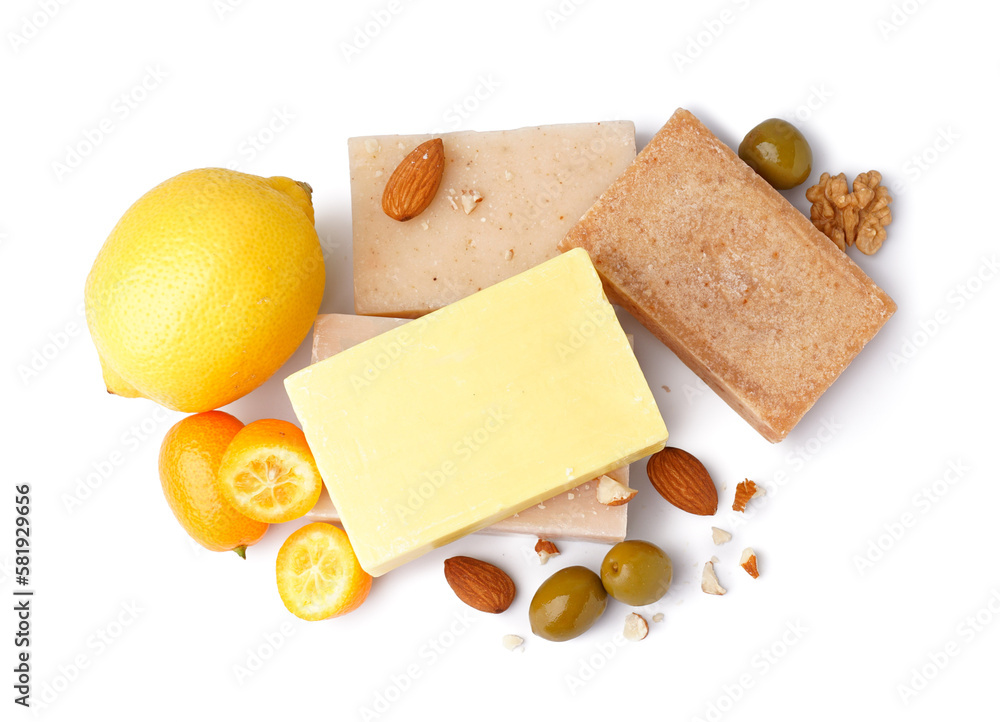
851,218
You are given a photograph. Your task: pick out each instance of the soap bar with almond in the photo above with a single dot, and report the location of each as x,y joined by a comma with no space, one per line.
475,412
575,514
505,200
729,275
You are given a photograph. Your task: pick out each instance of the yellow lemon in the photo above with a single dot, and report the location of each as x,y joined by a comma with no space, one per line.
206,286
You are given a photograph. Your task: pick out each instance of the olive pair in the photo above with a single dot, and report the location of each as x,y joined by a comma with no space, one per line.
569,602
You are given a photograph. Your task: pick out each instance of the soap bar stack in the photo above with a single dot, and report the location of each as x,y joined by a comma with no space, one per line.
574,515
475,412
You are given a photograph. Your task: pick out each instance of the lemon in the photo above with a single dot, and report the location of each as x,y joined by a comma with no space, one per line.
206,286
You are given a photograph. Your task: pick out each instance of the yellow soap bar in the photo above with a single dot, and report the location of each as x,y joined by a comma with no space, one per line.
475,412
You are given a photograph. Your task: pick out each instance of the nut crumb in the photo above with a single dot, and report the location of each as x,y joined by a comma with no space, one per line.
710,582
469,201
745,491
509,254
666,388
378,174
658,617
748,560
507,175
512,642
636,627
425,225
372,146
545,549
454,205
613,493
720,536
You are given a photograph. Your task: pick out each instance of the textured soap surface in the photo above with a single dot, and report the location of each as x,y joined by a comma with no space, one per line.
729,275
475,412
575,514
535,183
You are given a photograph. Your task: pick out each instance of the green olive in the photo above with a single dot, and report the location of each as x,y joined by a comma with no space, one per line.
778,152
567,604
636,572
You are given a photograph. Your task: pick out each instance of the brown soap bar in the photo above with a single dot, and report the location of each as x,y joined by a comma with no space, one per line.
729,275
575,514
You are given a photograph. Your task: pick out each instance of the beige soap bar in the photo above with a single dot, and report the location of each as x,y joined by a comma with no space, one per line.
729,275
478,411
505,201
575,514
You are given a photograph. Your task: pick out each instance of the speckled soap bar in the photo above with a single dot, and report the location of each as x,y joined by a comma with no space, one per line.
505,201
729,275
575,514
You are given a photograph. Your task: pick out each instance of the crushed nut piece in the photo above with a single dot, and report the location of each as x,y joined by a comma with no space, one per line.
636,627
613,493
748,560
658,617
512,642
372,146
720,536
710,582
851,218
745,491
507,175
545,549
469,201
509,255
454,205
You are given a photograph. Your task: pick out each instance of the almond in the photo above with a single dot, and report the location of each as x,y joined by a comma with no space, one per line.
414,183
545,549
683,481
479,584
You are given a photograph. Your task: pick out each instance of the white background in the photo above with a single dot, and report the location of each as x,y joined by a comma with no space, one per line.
131,618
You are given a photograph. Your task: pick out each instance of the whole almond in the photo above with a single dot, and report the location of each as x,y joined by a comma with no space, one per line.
414,183
683,481
479,584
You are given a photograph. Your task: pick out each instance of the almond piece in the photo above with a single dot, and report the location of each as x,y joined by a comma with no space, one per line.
683,481
710,582
613,493
479,584
636,627
748,560
545,549
414,183
720,536
745,491
512,642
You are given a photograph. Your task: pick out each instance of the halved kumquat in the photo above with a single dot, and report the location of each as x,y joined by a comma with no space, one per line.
269,473
318,573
